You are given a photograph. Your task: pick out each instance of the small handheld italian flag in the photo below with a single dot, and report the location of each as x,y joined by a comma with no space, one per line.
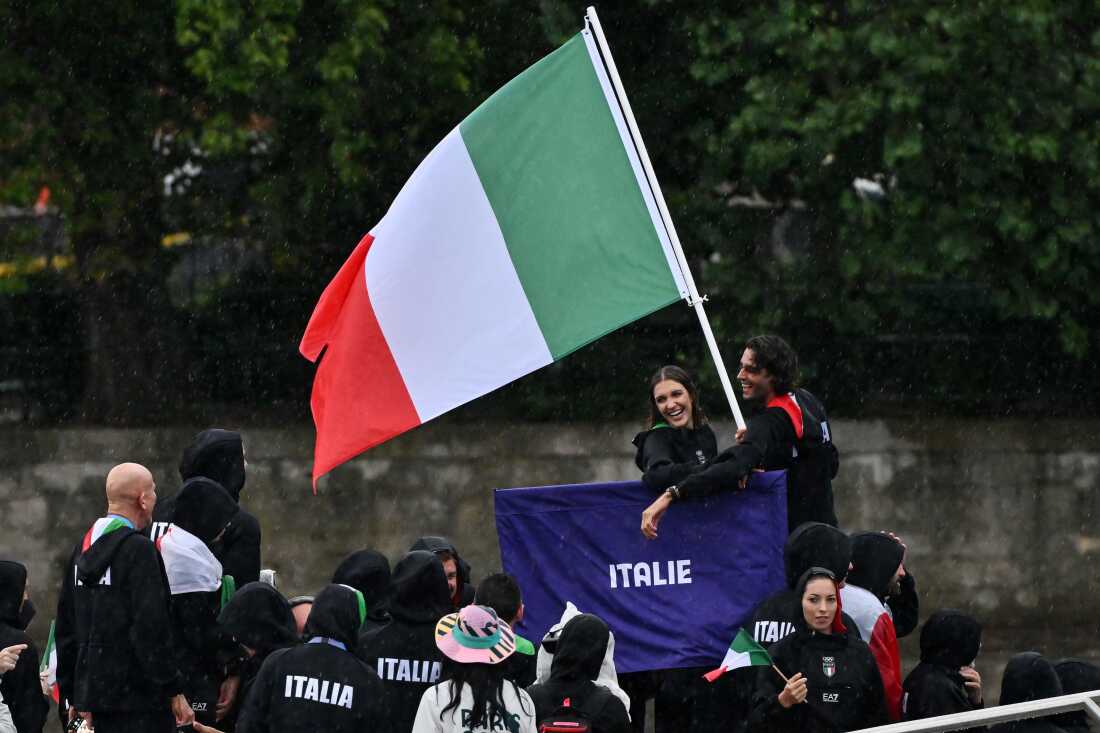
743,652
49,665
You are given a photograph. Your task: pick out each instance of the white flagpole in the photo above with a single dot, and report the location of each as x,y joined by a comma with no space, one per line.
695,299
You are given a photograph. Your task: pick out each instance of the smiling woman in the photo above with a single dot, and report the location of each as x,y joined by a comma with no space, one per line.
678,441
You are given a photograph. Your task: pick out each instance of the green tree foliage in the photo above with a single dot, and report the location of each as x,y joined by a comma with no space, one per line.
83,89
285,128
980,120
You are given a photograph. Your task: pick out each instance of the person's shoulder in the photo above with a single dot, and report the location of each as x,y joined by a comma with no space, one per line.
610,706
131,542
10,635
246,521
278,657
660,431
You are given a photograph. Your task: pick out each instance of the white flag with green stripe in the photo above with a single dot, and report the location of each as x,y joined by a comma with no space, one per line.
528,232
743,652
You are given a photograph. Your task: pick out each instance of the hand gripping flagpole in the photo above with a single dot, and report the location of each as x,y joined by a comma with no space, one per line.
694,299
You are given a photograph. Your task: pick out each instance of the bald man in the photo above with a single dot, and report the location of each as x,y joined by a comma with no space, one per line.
116,658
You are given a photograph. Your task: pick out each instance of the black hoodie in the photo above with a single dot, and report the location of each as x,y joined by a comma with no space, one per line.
667,455
771,443
403,652
20,687
219,455
368,571
320,685
259,618
204,509
464,593
949,640
1076,675
115,647
580,651
1028,676
875,559
844,686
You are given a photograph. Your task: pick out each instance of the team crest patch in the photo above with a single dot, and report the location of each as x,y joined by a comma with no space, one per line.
828,666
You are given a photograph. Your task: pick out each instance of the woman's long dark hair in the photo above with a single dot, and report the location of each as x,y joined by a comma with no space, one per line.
486,682
676,374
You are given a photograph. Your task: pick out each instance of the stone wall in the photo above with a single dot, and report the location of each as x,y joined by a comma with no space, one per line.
999,515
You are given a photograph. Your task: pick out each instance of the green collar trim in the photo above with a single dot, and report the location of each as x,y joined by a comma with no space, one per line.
524,647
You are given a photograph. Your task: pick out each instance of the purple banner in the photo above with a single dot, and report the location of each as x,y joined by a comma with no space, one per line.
676,601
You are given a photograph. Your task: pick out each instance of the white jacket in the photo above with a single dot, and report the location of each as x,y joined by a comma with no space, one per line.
518,704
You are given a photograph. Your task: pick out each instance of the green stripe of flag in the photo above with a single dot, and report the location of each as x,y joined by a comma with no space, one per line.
744,644
552,163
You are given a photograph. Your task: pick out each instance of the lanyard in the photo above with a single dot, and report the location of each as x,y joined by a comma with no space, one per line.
331,642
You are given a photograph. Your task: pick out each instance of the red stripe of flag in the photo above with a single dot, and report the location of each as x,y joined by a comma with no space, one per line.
359,398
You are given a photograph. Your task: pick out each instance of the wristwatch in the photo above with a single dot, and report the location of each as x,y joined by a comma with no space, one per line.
673,492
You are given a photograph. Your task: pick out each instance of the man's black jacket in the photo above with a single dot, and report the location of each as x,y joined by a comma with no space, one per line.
320,685
403,652
771,443
115,645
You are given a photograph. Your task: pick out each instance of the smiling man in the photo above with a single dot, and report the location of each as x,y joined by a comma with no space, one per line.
789,431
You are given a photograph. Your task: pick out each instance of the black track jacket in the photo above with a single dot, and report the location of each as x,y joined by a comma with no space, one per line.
320,685
115,647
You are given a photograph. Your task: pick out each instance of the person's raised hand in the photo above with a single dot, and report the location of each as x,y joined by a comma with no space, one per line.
739,436
181,709
794,692
973,683
9,656
652,516
227,695
904,547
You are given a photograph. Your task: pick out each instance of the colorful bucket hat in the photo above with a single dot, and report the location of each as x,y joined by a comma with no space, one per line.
473,635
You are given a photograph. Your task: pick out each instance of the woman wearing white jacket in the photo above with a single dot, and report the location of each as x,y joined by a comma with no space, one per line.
474,696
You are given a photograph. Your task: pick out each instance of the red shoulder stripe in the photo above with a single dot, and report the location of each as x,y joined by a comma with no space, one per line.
794,412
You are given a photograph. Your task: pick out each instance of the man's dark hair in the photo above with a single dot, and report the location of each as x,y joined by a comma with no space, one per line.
500,592
776,355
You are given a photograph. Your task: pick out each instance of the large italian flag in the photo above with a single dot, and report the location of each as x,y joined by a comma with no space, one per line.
528,232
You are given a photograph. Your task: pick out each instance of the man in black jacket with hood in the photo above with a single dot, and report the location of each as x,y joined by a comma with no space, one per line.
20,687
259,621
403,652
115,648
577,659
368,571
320,685
945,681
219,455
456,569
